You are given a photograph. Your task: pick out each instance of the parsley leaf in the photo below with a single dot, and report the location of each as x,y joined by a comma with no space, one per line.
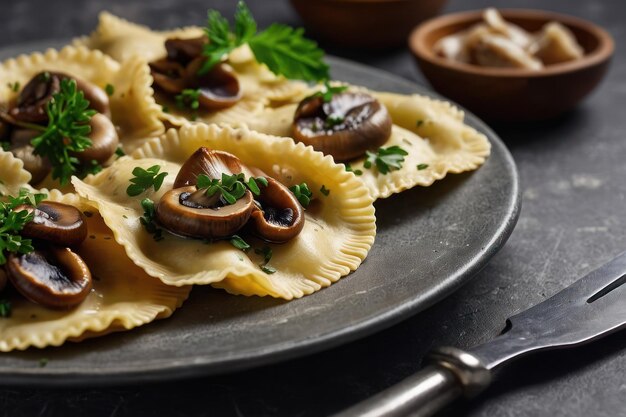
12,222
15,87
283,49
239,243
147,220
188,98
385,159
421,167
302,193
324,190
109,89
266,252
230,187
328,92
5,308
268,269
119,152
144,179
67,131
356,172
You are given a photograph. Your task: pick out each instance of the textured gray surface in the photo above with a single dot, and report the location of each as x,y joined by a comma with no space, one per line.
572,220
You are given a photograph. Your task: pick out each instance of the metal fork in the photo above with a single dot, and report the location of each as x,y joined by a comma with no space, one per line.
587,310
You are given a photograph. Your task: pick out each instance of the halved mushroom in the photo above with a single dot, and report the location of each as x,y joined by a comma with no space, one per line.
219,87
187,211
53,277
280,217
58,223
344,127
37,165
184,51
34,97
557,44
497,51
168,75
104,140
208,162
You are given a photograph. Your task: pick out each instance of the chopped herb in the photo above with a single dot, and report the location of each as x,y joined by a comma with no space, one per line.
12,222
324,190
230,187
165,109
119,152
5,308
419,123
93,167
110,89
67,131
356,172
6,146
302,193
333,120
147,220
188,99
43,362
329,91
15,87
144,179
385,159
268,269
421,167
239,243
283,49
266,251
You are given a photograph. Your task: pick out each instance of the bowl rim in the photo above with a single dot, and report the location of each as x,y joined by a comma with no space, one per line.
603,52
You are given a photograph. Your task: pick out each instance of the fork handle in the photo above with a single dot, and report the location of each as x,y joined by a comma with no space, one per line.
451,374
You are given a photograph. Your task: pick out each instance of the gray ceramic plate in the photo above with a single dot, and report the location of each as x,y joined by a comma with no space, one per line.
430,241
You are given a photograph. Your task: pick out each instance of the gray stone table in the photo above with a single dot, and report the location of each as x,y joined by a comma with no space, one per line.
573,219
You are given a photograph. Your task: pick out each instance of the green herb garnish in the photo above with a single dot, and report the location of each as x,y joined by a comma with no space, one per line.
324,190
110,89
15,87
239,243
188,99
268,269
283,49
356,172
5,308
421,167
12,222
419,123
144,179
230,187
67,130
385,159
147,220
43,362
6,146
302,193
333,120
328,92
119,152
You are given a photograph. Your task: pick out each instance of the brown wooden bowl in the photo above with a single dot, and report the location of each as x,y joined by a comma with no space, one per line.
510,94
365,23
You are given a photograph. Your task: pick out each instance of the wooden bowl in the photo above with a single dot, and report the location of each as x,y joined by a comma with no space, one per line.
510,94
365,23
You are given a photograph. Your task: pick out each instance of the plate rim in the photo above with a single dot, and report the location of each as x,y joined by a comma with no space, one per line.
200,366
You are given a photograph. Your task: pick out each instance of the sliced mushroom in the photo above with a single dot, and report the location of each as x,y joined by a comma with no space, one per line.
186,211
53,277
37,165
34,97
280,217
104,140
344,127
208,162
219,87
184,51
58,223
491,50
168,75
556,44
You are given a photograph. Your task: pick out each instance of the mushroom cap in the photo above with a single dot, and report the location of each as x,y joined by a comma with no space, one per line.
202,222
168,75
184,51
104,140
53,277
3,279
210,163
281,217
58,223
359,123
37,165
219,87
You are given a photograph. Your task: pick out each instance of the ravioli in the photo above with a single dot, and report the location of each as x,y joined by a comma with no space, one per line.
338,233
431,131
124,40
123,295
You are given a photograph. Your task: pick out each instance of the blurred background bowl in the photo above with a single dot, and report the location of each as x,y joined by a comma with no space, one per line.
365,23
510,94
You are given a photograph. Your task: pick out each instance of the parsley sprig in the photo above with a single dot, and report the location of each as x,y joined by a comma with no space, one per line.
188,98
302,193
144,179
328,92
266,252
147,220
385,159
282,48
230,187
67,131
12,222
